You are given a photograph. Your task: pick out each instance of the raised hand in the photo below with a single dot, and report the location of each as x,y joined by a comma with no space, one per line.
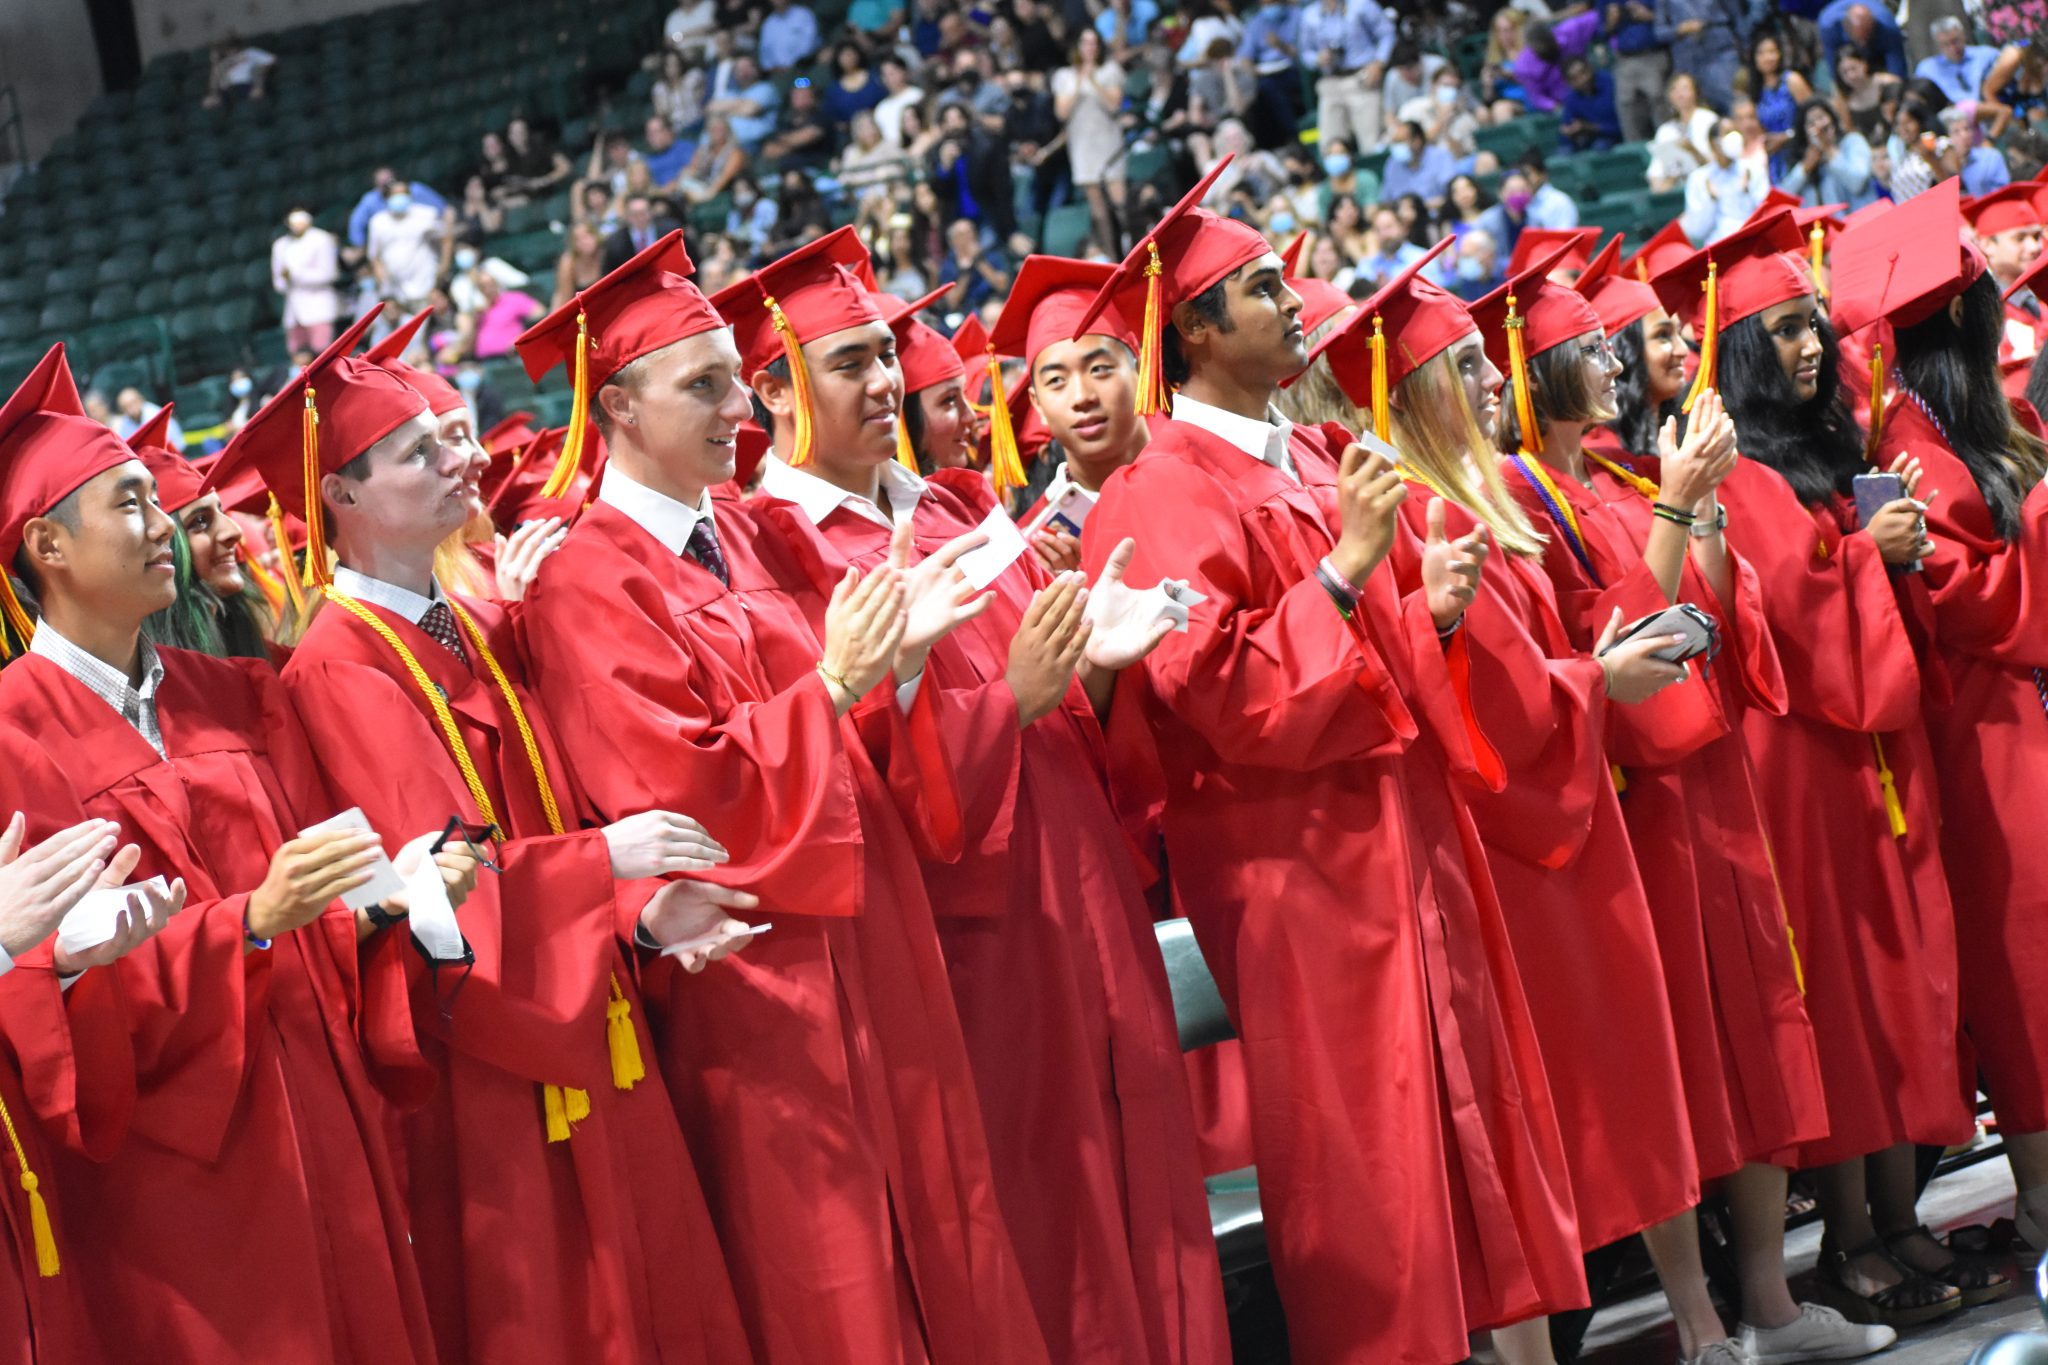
863,623
1126,623
1632,674
520,554
305,877
684,910
1451,568
657,843
936,596
39,887
1048,646
1693,468
1369,493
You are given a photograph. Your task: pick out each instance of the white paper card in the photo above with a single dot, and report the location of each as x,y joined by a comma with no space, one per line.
712,940
95,918
985,564
1374,445
431,917
384,880
1178,597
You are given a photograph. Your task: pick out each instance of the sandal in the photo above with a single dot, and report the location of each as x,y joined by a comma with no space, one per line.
1979,1278
1915,1299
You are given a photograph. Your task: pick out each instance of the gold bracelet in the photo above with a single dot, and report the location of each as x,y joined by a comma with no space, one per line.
837,681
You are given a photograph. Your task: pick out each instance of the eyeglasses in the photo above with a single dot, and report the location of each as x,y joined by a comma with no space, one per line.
1600,353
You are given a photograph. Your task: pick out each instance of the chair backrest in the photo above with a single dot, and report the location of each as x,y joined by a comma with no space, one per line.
1198,1012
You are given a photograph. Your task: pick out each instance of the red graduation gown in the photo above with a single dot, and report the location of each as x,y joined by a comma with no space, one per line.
1057,976
1869,909
1409,1162
820,1076
595,1249
1573,901
257,1143
1990,607
1752,1081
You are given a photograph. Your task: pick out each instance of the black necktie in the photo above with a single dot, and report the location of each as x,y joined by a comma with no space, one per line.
703,547
439,622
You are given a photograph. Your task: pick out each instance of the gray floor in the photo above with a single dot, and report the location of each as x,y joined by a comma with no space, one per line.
1639,1332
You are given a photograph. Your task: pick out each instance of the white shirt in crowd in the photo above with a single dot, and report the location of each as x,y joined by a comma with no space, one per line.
407,246
304,269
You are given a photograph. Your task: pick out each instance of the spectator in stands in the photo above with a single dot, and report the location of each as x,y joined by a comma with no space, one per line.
1087,94
505,314
1982,166
751,221
1702,38
1497,83
1640,65
718,161
593,204
678,94
1587,119
1124,24
468,292
974,267
1539,66
1270,44
1347,43
1415,165
1448,114
1916,155
1825,164
131,410
1685,141
803,132
747,102
372,202
1346,226
900,94
801,215
1862,96
1342,179
581,264
1478,270
476,217
493,164
1464,206
1504,222
1549,206
1721,195
640,227
855,86
404,249
305,265
1864,27
1222,87
611,159
788,37
97,408
1391,252
1410,72
970,174
1776,90
1958,66
664,157
868,162
2018,84
1206,21
537,164
236,72
689,28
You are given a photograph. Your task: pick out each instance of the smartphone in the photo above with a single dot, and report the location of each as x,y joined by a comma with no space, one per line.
1702,633
1873,492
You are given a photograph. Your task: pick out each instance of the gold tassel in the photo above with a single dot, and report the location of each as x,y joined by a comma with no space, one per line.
316,529
1894,809
282,538
1005,461
1620,778
1876,435
16,615
571,458
1710,339
266,583
1816,240
905,456
38,1212
627,1068
565,1106
800,452
1151,367
1382,419
1518,368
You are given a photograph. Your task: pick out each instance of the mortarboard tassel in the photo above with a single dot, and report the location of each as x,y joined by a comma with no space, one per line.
1876,435
800,453
1005,463
1710,339
1382,419
1816,242
266,583
1894,809
571,458
282,538
38,1211
16,615
905,456
627,1067
316,529
1643,271
1151,368
1518,368
564,1106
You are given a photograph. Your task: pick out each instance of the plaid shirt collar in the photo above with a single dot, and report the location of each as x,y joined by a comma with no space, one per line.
136,705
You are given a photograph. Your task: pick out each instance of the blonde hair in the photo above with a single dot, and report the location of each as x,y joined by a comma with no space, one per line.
457,567
1436,431
1315,395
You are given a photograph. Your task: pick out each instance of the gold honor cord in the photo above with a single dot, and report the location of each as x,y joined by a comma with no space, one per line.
38,1212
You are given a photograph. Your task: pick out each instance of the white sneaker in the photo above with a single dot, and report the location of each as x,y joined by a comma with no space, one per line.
1818,1334
1728,1352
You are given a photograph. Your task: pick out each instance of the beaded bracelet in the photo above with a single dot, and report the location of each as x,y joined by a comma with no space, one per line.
1676,516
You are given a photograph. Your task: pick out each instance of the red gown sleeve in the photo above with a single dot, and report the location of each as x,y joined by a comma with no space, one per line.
1990,595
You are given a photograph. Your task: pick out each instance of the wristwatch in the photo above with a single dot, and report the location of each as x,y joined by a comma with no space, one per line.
1706,530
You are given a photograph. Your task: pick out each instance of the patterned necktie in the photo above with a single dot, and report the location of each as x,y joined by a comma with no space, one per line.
703,547
439,622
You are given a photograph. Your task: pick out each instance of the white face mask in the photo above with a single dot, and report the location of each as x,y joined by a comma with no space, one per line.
1731,145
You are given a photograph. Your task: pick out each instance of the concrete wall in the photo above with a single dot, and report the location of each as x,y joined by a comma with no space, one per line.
47,55
169,25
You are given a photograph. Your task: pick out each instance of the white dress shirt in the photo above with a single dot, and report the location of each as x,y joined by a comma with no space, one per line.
136,705
658,514
1264,441
400,601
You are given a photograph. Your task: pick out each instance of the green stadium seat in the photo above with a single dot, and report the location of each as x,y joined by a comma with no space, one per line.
114,303
202,396
187,290
1066,230
153,296
224,282
16,323
117,375
170,259
124,267
70,279
21,292
62,316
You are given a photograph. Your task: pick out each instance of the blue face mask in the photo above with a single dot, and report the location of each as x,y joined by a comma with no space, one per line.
240,385
398,203
467,380
1469,269
465,259
1336,164
1401,152
1282,222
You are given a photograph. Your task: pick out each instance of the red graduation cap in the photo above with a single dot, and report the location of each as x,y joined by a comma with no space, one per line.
521,494
1821,225
646,304
1047,301
179,482
1187,251
1397,331
1536,244
2034,277
1666,247
970,341
1320,300
1525,317
1616,298
1755,267
442,397
513,433
49,449
814,291
337,408
2019,205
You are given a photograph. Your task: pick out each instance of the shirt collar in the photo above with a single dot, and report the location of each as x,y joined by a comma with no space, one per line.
399,601
818,499
1264,441
103,678
656,513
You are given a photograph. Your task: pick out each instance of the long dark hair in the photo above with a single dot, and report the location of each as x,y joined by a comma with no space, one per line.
1953,367
201,620
1794,150
1637,423
1816,445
